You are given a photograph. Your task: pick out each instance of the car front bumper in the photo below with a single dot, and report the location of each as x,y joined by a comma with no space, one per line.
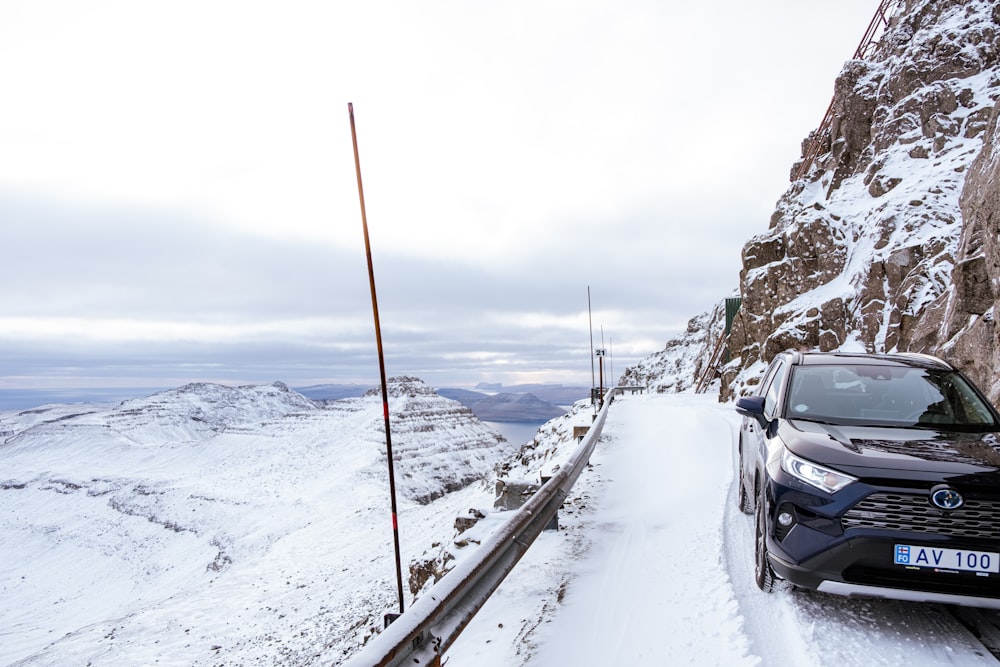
862,591
863,565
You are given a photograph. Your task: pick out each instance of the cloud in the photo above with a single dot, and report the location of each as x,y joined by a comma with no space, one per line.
130,292
179,197
133,292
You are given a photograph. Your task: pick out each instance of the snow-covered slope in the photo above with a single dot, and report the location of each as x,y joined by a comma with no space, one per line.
219,525
679,365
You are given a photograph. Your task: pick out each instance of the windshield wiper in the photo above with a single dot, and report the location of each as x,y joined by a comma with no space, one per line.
817,420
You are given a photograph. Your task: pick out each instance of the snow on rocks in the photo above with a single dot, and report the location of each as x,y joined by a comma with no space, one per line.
860,246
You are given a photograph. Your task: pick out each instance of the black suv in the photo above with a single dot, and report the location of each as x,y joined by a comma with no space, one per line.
873,475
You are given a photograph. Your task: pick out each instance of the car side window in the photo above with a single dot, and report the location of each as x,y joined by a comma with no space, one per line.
768,378
772,387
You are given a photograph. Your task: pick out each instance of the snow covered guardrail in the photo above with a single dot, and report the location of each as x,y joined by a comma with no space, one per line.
422,634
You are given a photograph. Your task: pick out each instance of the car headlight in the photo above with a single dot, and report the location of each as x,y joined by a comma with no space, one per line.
813,474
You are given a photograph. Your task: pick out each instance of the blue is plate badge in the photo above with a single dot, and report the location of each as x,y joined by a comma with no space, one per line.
946,559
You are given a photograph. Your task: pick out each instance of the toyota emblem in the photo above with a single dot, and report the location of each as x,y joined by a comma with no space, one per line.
946,498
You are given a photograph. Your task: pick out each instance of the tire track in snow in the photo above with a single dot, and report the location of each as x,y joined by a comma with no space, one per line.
626,553
653,588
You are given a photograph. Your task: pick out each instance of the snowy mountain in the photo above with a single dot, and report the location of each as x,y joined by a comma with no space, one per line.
220,525
680,363
863,243
886,241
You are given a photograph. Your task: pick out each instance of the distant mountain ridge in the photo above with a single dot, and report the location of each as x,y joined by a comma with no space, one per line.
505,407
517,403
556,394
514,403
552,399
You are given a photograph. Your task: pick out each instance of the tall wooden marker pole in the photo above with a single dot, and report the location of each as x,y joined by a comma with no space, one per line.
381,363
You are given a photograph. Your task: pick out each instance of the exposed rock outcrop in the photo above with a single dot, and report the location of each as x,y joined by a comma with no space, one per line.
868,250
960,324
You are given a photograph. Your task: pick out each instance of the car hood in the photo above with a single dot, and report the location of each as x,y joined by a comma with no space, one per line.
896,451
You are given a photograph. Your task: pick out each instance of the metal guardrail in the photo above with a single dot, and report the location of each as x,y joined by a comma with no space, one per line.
432,624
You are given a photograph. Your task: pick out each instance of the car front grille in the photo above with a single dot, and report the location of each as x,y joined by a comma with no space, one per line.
914,513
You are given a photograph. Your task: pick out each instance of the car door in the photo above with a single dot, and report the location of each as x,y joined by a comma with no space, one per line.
757,435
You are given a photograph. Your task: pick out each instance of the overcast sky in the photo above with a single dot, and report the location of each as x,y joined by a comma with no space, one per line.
178,198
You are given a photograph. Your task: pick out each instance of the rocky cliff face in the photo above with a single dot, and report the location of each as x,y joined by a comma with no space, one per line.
888,242
959,324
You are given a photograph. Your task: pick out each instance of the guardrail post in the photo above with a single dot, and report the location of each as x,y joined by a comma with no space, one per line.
553,523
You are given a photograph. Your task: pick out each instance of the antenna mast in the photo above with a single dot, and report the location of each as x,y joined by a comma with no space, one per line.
590,319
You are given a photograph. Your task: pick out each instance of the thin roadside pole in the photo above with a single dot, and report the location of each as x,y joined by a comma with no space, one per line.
590,320
381,363
611,361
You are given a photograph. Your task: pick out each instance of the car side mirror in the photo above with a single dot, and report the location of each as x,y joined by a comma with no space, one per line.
751,406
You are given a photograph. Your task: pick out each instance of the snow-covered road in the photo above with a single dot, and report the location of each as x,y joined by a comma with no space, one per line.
652,565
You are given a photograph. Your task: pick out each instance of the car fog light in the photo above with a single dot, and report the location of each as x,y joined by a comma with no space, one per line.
785,519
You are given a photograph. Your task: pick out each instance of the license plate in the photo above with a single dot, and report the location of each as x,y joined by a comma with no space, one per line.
947,559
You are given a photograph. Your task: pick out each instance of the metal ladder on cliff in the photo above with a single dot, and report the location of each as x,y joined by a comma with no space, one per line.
712,368
868,43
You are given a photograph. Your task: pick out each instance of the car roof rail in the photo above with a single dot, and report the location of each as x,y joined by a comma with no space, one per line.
794,356
928,358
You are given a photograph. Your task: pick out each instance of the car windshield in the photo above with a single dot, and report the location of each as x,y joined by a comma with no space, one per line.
854,394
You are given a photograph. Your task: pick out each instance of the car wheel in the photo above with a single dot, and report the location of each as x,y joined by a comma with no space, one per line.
743,496
763,574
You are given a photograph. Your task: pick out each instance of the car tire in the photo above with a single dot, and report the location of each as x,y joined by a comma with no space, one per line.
742,495
763,573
